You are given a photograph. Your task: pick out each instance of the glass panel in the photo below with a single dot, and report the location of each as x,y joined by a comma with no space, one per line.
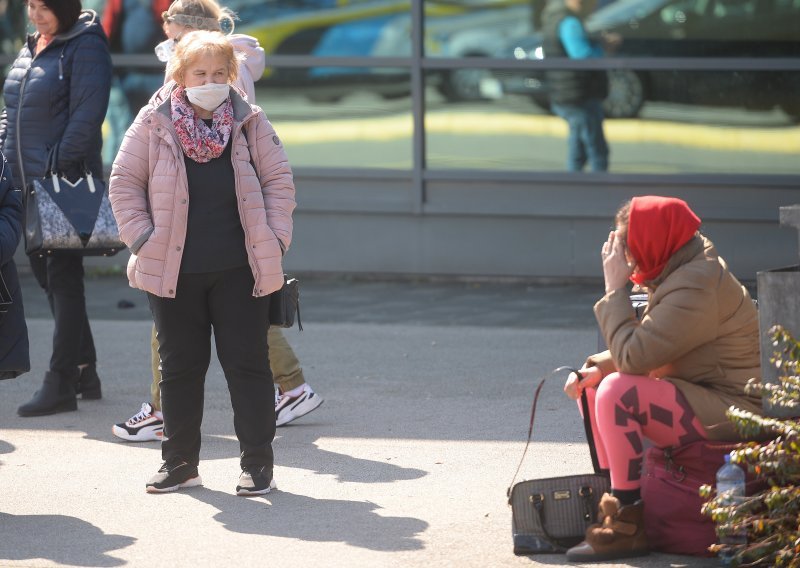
341,117
324,27
326,116
474,29
667,122
647,28
131,88
12,26
702,28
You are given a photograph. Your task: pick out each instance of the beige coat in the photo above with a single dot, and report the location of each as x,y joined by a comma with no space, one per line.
150,196
699,331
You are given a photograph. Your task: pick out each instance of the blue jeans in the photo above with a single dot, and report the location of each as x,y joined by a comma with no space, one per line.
586,139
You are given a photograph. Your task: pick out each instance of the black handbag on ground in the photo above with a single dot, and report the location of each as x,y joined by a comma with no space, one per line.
551,515
65,216
284,305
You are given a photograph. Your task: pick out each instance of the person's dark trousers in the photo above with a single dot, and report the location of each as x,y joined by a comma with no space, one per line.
587,142
61,277
222,301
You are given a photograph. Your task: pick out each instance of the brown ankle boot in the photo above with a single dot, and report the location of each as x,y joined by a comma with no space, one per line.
619,534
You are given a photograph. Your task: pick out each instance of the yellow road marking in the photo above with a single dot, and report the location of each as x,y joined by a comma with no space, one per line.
785,140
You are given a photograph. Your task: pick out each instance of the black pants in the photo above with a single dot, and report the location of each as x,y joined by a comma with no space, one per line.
61,277
222,301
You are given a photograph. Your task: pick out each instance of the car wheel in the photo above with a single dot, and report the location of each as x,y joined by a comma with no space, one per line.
463,84
625,94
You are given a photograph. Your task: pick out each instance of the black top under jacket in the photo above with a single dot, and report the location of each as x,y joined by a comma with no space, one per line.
214,233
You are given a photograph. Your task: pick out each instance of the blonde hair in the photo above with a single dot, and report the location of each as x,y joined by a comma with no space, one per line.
201,15
201,44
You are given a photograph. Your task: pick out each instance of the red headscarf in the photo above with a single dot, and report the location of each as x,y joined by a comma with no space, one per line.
657,228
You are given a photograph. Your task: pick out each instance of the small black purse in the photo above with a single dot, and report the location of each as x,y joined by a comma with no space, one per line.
66,216
284,304
551,515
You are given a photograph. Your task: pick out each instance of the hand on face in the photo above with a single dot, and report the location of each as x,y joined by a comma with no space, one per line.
616,268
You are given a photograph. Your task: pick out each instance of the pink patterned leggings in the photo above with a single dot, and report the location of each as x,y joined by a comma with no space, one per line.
625,409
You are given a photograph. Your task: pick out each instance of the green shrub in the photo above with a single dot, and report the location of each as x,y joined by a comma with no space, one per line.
770,517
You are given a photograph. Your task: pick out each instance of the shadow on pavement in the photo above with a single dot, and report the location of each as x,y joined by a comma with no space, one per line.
304,518
61,539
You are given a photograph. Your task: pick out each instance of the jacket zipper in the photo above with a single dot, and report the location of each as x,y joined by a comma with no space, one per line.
19,110
181,170
20,163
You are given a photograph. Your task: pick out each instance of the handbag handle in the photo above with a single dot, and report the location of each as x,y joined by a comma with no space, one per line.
52,164
586,493
587,426
52,161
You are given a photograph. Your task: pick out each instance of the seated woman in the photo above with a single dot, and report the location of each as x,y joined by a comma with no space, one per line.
671,376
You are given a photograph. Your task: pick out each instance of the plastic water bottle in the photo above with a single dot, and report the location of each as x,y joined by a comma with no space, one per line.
731,487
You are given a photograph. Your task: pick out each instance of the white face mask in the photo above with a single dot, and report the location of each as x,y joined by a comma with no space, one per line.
165,49
208,96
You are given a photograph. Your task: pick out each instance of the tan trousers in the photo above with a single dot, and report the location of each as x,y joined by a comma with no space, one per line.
286,370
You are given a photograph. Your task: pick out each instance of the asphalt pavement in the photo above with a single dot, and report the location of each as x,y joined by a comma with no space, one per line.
427,388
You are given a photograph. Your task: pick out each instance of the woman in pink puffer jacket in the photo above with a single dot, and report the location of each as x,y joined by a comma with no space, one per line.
203,194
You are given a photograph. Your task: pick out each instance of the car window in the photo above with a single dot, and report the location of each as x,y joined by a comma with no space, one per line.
678,13
734,8
786,6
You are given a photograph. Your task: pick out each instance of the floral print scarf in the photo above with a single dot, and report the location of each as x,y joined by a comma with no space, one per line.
200,142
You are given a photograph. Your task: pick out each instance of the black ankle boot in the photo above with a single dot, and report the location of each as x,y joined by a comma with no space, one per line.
56,395
88,385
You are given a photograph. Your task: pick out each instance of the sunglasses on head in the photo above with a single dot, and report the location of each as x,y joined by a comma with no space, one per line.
196,22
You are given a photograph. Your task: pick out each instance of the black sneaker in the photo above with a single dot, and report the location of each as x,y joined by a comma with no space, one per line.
172,476
255,480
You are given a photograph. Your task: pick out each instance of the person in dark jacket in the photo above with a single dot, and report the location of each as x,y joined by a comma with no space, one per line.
14,359
56,93
577,95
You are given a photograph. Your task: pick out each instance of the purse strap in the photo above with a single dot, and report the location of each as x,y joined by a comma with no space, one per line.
52,163
587,426
586,494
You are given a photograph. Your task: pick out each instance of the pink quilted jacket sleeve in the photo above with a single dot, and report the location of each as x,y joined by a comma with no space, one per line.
275,176
128,186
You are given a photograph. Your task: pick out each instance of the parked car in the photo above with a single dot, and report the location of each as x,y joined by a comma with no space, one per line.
380,28
473,33
684,28
476,34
